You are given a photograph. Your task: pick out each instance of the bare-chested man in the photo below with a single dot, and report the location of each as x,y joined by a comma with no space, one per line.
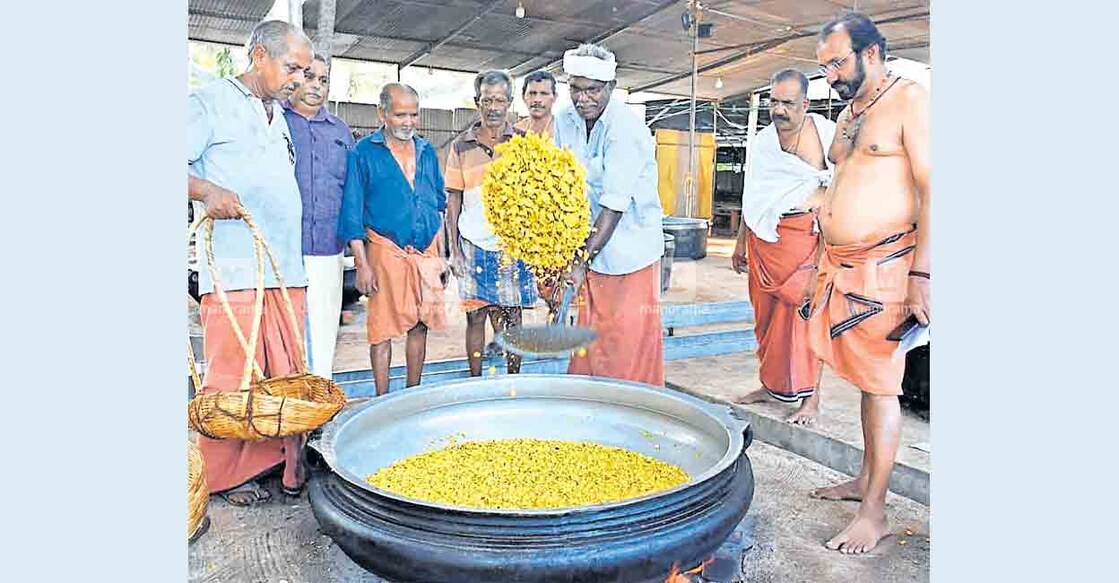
788,172
874,269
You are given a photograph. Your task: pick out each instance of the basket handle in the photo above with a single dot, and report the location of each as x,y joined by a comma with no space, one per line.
249,346
296,326
259,240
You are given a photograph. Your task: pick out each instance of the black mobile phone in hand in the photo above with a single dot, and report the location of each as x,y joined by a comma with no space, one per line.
906,325
805,309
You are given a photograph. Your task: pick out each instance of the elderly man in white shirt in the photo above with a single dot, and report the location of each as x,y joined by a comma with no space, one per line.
622,293
240,154
788,174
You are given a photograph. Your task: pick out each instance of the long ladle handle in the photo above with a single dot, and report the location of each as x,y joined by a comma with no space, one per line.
568,295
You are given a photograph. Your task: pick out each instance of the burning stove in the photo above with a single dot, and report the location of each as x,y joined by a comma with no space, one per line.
645,539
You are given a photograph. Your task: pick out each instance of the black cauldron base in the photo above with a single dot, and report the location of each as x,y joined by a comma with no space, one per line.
413,543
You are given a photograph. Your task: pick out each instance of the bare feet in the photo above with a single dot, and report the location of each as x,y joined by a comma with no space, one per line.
861,535
756,396
852,490
808,412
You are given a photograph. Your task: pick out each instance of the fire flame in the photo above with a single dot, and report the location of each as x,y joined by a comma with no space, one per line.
675,576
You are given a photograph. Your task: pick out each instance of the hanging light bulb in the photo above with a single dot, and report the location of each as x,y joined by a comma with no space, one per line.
520,10
719,82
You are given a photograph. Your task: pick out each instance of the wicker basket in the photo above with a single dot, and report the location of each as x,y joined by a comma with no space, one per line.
198,494
262,408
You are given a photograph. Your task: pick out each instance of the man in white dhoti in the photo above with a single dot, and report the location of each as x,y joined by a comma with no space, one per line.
788,173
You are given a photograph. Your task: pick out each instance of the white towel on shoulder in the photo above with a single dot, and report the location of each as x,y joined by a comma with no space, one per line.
779,182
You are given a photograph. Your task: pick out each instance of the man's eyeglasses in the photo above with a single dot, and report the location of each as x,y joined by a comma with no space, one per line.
593,90
835,65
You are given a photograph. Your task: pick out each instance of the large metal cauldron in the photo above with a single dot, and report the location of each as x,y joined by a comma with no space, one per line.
405,540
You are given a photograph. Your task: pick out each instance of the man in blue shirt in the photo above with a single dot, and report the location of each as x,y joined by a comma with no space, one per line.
622,293
322,143
392,219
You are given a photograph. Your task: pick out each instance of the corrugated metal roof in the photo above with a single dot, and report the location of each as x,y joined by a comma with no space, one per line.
752,38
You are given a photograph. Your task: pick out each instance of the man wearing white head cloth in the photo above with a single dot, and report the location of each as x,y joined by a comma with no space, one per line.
621,295
788,173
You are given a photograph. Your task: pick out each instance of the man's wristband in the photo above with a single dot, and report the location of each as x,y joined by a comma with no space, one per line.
923,274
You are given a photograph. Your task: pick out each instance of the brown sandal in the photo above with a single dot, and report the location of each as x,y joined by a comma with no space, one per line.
260,494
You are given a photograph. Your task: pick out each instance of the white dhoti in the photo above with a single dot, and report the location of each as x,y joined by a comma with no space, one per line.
324,309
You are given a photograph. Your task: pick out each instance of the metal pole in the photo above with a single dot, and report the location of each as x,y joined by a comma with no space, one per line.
751,131
295,13
690,189
715,161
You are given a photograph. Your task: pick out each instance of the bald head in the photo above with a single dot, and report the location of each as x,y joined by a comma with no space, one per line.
399,110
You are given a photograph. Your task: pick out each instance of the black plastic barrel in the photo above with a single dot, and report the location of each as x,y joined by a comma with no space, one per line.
915,384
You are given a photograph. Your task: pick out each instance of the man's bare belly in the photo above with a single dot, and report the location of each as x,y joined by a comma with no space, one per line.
871,196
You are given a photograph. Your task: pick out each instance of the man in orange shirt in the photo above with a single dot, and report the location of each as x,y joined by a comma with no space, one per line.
487,287
539,94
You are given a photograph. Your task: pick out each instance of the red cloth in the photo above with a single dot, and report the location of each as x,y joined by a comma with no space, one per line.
231,462
779,276
625,312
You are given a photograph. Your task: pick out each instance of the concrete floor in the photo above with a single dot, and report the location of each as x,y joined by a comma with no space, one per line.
279,542
708,280
729,376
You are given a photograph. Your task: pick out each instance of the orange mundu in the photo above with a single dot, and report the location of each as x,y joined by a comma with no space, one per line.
410,289
624,310
779,274
859,300
232,462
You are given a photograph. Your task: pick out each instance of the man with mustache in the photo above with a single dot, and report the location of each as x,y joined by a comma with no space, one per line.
539,94
622,292
486,286
240,155
392,219
322,142
788,172
874,269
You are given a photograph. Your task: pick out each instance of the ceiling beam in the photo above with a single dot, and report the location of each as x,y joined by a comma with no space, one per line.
753,50
226,15
760,47
529,17
450,44
599,38
416,56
